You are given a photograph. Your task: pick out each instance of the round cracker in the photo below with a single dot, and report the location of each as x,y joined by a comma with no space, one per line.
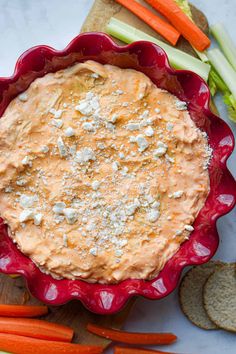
190,294
219,297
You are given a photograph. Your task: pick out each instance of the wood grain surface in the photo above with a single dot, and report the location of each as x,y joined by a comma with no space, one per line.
73,314
103,10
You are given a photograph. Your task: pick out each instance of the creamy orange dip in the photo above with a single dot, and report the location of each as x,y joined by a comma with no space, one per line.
102,174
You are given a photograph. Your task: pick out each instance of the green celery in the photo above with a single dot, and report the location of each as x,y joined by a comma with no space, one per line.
184,5
223,68
230,101
220,85
227,45
201,55
212,84
177,58
226,81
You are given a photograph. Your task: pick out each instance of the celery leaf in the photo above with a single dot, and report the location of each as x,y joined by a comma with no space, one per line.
184,5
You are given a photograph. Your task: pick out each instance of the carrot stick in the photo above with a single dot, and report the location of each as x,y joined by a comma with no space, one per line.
22,310
26,345
129,350
132,337
181,22
159,25
36,329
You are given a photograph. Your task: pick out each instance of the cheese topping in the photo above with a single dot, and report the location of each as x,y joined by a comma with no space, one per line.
102,174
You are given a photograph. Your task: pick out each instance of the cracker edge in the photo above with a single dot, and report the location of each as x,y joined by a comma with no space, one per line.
217,263
204,297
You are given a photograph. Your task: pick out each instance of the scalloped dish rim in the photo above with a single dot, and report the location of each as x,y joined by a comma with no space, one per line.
200,248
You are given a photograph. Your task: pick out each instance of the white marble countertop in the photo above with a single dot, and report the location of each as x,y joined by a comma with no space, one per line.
25,23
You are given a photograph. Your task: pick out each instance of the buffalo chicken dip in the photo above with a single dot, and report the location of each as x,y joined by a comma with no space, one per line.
102,174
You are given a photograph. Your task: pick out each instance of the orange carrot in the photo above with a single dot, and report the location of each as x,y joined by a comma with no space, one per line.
132,337
129,350
159,25
36,329
22,310
26,345
181,22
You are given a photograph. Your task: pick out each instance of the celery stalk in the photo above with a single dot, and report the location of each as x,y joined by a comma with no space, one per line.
224,69
220,85
230,101
177,58
226,81
225,41
201,55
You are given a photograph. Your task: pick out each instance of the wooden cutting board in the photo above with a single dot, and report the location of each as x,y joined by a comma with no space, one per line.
73,314
103,10
13,291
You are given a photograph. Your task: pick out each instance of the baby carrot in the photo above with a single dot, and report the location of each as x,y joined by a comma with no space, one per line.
22,310
36,329
26,345
129,350
181,22
132,337
163,28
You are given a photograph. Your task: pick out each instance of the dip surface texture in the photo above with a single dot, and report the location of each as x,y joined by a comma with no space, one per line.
102,174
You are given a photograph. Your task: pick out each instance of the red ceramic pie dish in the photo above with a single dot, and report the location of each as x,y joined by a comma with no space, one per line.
187,86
